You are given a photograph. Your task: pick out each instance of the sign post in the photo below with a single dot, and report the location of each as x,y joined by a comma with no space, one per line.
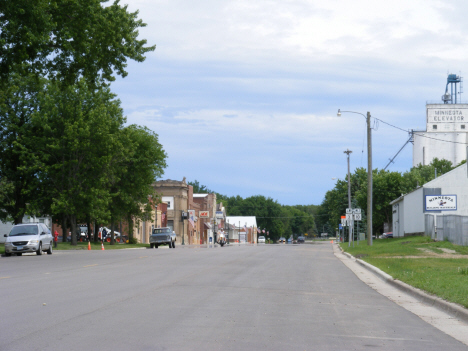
349,218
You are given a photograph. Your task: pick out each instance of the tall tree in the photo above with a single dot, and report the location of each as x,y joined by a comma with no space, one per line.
142,163
18,103
66,39
76,135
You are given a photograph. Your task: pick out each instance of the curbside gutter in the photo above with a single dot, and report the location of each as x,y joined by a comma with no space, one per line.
457,311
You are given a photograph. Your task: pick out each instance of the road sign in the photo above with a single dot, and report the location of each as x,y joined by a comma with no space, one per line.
349,210
349,216
357,216
356,210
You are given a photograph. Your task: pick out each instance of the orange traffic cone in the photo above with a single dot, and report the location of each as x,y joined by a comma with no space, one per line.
89,245
102,246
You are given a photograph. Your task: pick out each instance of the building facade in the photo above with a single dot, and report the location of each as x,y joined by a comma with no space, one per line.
206,204
244,229
175,194
410,211
445,137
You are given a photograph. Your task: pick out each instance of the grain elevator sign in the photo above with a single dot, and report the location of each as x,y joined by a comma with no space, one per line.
441,202
447,115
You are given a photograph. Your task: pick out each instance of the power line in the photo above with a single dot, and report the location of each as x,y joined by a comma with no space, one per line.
421,135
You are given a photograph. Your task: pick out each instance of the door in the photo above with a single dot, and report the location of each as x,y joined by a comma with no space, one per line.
396,220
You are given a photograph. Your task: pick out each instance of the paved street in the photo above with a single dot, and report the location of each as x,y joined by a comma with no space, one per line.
266,297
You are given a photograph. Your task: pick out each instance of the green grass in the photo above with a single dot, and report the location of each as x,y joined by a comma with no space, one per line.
401,247
84,246
444,277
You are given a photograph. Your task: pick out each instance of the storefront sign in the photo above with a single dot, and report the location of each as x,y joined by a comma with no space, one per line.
441,202
204,214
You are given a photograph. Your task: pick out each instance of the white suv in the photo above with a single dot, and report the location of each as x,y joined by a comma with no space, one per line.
261,239
29,237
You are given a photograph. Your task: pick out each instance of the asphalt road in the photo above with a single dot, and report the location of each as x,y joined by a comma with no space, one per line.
266,297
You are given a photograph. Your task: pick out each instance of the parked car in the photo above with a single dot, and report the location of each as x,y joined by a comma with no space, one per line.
300,240
282,240
30,237
261,240
388,235
162,236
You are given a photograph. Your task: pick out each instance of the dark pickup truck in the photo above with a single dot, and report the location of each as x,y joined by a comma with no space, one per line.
162,236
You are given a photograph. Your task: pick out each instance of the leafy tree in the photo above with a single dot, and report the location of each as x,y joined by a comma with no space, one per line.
76,133
386,187
18,103
199,189
66,39
142,163
420,175
297,222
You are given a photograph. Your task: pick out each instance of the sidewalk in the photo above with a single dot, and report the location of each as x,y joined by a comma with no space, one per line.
446,316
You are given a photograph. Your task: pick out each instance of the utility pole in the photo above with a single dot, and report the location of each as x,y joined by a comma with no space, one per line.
369,179
369,172
350,230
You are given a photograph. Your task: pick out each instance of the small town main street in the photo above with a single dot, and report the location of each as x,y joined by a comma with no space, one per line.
247,297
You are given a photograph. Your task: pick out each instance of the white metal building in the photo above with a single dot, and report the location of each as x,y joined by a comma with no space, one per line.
445,137
410,209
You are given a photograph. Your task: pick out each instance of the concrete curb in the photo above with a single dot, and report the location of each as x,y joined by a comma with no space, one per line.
455,310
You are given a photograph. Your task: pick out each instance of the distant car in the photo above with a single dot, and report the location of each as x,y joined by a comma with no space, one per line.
300,240
162,236
388,235
282,240
30,237
261,240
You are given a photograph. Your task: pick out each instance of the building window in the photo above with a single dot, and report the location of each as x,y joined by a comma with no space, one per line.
462,126
169,200
434,126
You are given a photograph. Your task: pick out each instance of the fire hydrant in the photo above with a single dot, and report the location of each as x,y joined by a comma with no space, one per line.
55,238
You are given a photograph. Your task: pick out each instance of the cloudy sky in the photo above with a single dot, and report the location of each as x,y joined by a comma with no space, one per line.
244,94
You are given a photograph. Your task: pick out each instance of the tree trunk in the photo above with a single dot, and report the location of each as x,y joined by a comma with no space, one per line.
112,231
96,231
73,230
130,228
64,229
88,223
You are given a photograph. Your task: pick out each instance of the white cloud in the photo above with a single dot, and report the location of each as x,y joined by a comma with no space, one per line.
244,94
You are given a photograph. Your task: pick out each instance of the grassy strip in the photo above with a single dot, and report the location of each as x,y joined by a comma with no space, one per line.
444,277
84,246
401,247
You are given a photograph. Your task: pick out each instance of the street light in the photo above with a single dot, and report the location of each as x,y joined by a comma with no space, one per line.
369,173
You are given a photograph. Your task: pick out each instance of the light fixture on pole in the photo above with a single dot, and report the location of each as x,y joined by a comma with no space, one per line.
369,173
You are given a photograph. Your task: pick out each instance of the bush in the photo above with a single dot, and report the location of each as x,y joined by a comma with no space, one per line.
132,241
